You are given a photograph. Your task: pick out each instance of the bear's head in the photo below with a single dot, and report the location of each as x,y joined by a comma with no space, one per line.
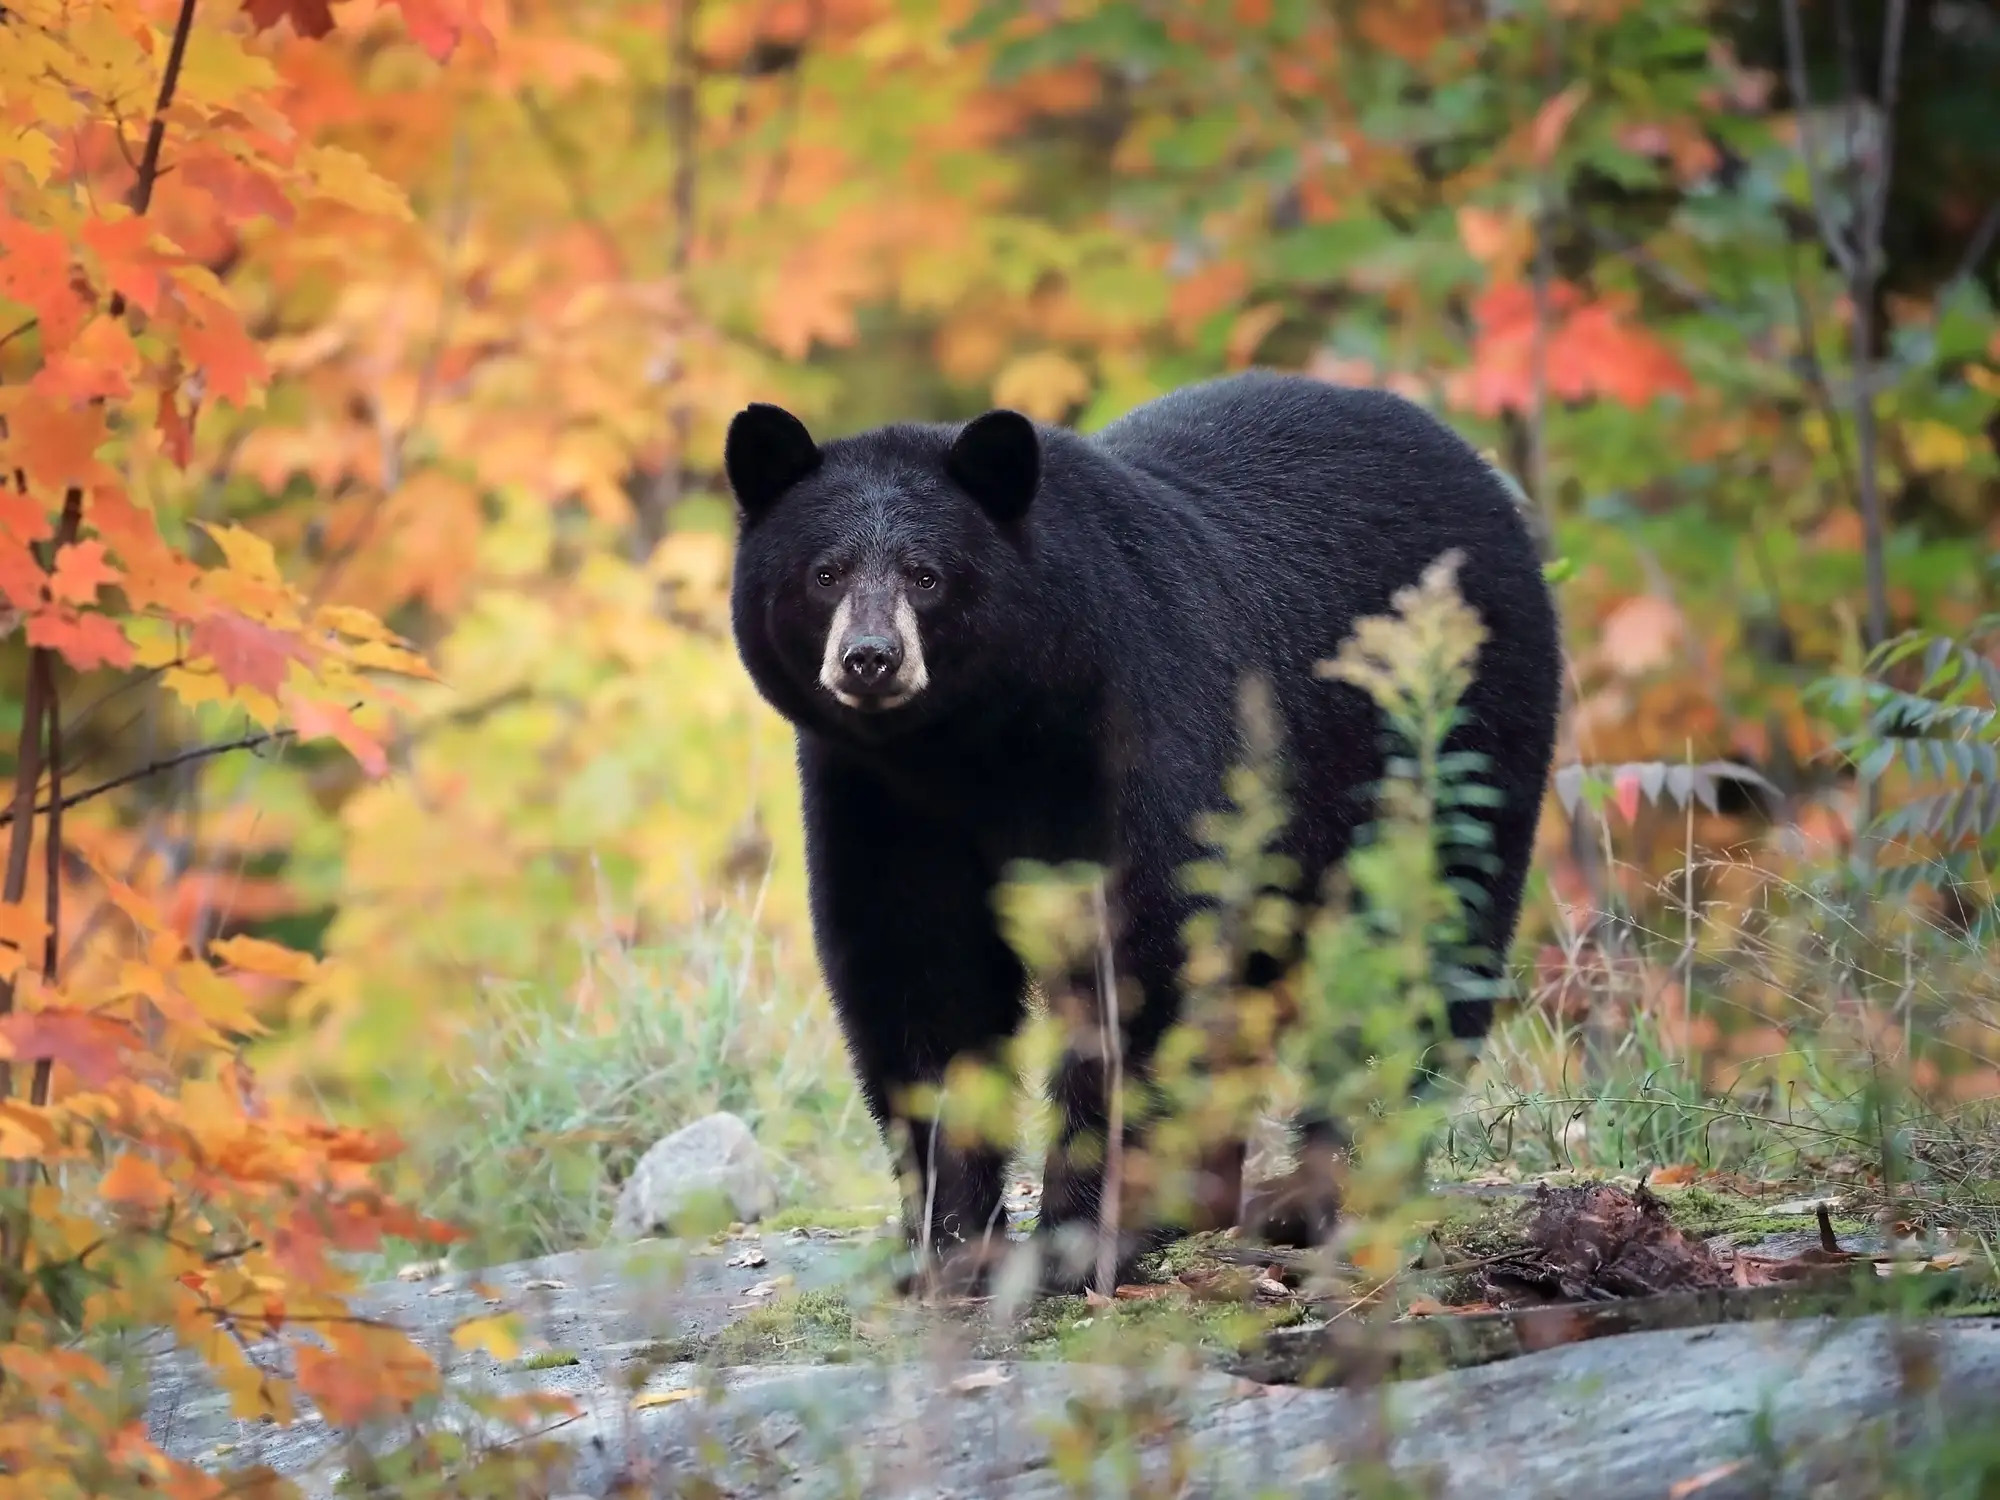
878,577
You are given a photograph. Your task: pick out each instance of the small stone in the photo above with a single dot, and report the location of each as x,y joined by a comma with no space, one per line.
715,1155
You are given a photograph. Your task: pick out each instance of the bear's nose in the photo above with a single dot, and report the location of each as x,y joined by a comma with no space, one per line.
871,660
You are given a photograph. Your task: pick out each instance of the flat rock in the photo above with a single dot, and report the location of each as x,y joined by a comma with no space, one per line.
715,1156
1620,1417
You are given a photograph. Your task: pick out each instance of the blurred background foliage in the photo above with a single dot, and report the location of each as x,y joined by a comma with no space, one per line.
1713,280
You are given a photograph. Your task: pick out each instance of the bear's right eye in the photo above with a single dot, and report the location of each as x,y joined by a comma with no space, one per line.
825,577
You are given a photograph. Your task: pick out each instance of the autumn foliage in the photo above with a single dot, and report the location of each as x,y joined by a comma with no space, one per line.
363,370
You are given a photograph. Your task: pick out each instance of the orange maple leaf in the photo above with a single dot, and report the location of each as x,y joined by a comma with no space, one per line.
213,339
320,720
85,641
135,1182
81,570
96,364
23,517
55,444
246,653
124,248
22,580
35,271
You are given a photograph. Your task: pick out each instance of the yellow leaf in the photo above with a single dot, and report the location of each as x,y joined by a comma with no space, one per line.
216,998
663,1398
1045,385
136,1183
389,658
346,177
253,1394
499,1336
355,623
256,956
246,552
216,70
26,1132
195,688
1935,446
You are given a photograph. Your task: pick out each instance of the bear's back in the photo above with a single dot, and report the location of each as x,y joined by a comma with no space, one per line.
1310,495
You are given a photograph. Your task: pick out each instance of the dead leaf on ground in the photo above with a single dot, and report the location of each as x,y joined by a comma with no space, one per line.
1219,1283
1694,1484
1143,1291
1430,1307
664,1398
980,1380
1092,1297
1680,1174
420,1270
545,1284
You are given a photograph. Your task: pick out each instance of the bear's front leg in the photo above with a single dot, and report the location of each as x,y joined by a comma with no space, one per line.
1112,1050
907,934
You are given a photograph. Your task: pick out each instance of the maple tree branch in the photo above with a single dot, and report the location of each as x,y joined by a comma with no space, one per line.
565,158
1983,238
1816,187
58,804
8,338
156,133
39,704
52,850
1819,387
684,139
781,157
393,444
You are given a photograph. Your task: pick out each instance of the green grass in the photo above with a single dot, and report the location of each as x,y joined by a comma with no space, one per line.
546,1104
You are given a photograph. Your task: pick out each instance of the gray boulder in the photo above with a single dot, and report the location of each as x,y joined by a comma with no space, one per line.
714,1158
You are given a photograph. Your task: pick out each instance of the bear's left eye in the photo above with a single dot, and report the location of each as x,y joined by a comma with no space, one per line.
824,577
926,579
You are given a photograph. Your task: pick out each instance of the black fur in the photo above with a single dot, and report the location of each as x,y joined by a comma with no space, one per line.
1093,608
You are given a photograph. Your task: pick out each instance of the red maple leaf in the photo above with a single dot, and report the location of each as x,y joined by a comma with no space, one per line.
308,17
80,572
245,653
176,432
92,1047
85,641
438,25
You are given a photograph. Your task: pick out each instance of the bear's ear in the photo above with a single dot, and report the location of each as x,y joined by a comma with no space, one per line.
997,460
768,450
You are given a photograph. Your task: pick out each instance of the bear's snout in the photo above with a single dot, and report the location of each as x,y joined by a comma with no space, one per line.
874,658
870,661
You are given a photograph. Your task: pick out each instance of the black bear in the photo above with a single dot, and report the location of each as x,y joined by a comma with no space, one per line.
1002,640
